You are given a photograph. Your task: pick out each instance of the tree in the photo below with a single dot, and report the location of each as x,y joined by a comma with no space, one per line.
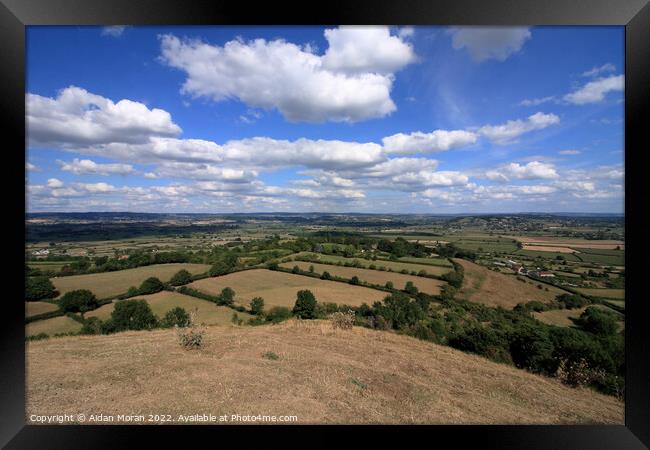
305,306
410,288
532,349
133,315
227,297
295,269
311,269
598,321
223,265
278,314
80,300
355,280
389,285
176,317
326,276
257,306
151,286
38,288
180,278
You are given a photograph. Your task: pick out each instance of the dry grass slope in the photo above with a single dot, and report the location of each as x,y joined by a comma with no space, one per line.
321,375
482,285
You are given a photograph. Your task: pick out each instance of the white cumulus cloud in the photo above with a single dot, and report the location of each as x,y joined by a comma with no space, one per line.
595,91
436,141
508,132
485,43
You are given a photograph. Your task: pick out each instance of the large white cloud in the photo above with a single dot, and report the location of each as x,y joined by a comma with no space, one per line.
350,83
508,132
76,117
485,43
436,141
595,91
87,166
366,49
532,170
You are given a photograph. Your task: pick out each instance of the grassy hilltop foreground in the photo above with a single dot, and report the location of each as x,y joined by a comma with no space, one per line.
321,375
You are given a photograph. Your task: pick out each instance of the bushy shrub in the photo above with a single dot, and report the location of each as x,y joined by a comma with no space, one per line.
80,300
483,341
389,285
305,306
133,315
180,278
39,288
531,348
191,337
355,280
342,320
598,321
257,306
92,325
176,317
572,301
410,288
150,286
227,297
278,314
326,276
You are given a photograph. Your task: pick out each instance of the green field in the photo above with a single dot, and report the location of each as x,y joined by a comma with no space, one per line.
52,326
207,312
396,266
605,293
107,284
444,262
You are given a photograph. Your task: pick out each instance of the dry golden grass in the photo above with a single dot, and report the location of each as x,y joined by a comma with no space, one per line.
52,326
321,376
428,285
279,288
161,302
559,317
482,285
107,284
34,308
570,242
396,266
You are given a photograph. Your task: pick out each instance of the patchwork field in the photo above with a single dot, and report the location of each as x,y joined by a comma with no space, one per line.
548,248
482,285
161,302
607,293
396,266
52,326
35,308
428,285
321,376
279,288
107,284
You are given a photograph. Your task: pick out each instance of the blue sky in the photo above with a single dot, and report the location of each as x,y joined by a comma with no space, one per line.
340,119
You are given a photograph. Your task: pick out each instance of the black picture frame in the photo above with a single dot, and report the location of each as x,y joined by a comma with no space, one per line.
15,15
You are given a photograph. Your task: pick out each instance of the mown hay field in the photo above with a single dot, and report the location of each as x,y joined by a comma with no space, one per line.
322,376
35,308
62,324
482,285
395,266
427,285
279,288
206,312
107,284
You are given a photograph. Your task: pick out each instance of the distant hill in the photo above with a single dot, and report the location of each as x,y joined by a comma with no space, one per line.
321,376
